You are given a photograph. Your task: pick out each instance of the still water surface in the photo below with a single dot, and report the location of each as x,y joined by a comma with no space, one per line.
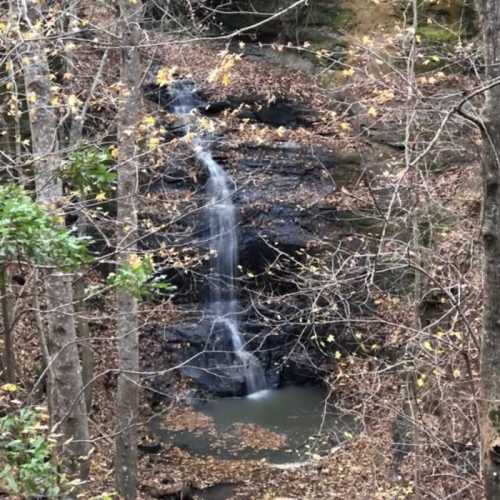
301,414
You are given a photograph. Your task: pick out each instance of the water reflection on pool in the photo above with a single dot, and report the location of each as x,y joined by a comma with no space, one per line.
302,415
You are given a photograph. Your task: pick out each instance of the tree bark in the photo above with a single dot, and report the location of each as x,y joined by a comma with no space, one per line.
9,358
127,321
65,382
490,166
83,335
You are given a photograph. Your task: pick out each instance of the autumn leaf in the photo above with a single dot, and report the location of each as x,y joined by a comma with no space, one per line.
281,131
9,387
134,261
222,72
149,121
427,345
165,76
73,103
153,142
348,72
384,96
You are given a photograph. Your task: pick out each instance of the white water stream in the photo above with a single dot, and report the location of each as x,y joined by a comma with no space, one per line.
223,242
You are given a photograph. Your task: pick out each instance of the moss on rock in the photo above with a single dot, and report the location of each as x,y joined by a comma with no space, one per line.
437,34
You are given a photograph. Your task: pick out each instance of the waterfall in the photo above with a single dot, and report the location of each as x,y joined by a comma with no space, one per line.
223,243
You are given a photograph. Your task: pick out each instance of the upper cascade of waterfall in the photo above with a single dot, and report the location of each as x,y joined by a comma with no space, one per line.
223,241
183,94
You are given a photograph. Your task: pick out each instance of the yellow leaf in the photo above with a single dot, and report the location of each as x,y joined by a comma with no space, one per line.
456,373
31,97
372,112
73,103
149,120
153,142
113,151
100,196
226,80
206,124
281,131
420,381
164,76
189,137
338,355
348,72
9,388
427,345
385,96
134,261
345,126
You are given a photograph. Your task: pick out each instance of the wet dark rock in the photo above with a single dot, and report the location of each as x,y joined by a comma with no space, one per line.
277,113
284,195
207,358
149,448
281,114
165,96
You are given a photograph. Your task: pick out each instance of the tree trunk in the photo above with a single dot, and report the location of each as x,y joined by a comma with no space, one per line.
127,321
490,347
68,414
83,334
9,358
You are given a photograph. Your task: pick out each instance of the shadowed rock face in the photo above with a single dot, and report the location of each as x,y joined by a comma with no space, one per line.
283,205
232,15
281,193
279,113
216,369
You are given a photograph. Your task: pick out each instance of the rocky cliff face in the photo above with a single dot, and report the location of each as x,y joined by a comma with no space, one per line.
311,189
287,217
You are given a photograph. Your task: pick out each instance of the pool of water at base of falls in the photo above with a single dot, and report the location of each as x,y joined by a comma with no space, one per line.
285,425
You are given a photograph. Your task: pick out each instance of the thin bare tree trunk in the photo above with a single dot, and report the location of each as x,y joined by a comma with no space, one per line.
127,321
490,164
9,358
66,380
83,334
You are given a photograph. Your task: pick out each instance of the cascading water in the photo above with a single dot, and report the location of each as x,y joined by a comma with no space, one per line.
223,244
